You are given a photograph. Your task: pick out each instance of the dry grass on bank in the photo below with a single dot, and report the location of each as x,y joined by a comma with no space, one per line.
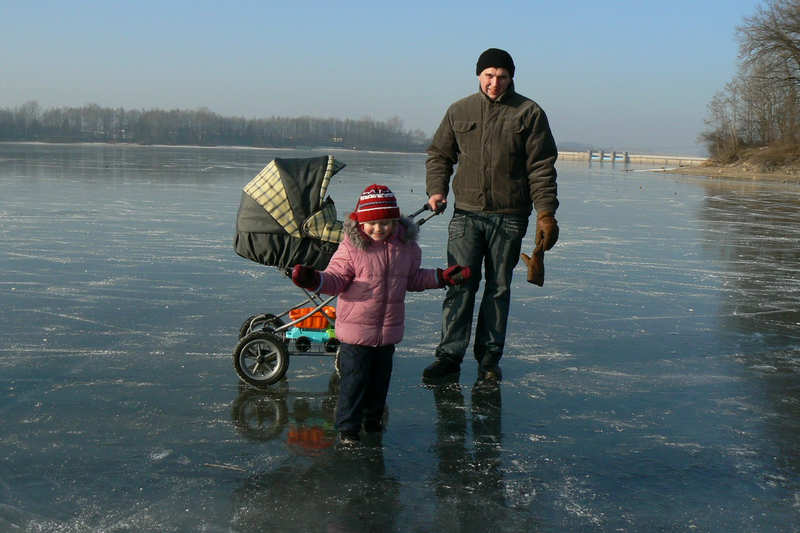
769,163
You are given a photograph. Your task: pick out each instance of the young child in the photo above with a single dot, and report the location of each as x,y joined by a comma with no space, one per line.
375,264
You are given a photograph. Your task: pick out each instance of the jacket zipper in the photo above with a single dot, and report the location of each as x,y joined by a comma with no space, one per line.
385,291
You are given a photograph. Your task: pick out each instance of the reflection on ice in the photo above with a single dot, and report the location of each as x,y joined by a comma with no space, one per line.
344,489
754,232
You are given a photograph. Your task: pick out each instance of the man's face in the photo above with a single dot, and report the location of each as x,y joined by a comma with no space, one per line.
494,81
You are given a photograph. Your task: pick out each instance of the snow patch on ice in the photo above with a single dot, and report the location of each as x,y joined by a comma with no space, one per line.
159,455
551,356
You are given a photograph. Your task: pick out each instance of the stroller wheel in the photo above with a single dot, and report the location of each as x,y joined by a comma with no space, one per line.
266,322
260,359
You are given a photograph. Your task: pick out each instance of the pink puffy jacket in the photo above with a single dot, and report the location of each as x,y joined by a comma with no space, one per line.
371,279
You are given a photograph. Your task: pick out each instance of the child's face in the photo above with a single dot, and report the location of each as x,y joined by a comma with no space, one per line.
378,230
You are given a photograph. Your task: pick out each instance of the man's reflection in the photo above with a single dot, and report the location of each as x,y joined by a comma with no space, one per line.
469,485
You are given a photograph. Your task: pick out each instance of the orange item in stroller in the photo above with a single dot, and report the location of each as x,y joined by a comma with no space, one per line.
315,321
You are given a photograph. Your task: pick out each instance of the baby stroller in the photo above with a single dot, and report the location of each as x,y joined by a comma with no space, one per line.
285,218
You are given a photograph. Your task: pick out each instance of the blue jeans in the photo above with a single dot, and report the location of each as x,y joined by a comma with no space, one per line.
365,375
492,242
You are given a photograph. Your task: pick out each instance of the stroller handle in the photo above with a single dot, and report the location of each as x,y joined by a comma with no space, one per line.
440,207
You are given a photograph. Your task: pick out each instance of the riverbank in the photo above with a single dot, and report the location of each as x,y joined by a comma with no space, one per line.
740,171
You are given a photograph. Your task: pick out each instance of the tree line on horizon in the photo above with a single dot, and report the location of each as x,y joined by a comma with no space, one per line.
757,115
201,127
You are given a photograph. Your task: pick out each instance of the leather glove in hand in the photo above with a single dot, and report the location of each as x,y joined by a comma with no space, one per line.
546,230
305,277
535,264
454,275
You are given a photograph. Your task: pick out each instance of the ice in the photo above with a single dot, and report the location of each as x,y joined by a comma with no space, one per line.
652,384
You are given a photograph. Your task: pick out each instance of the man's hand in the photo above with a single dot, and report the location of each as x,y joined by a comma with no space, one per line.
437,203
546,230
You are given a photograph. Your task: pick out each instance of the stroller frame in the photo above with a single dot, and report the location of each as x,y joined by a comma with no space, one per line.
266,341
261,358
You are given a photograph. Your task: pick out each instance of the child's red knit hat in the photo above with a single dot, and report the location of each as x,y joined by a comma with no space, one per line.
377,202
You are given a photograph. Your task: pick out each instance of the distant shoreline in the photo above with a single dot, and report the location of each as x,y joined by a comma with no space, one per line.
564,155
212,147
669,164
653,159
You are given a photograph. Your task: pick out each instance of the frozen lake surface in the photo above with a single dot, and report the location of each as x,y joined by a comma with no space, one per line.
652,384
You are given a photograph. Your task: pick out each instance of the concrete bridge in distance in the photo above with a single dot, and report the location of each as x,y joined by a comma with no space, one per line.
624,158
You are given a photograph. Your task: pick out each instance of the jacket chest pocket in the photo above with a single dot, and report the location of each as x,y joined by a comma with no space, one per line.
514,136
467,135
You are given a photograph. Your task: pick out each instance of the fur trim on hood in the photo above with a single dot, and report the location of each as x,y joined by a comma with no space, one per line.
406,230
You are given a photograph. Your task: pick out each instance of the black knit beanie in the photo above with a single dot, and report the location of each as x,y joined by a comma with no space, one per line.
494,57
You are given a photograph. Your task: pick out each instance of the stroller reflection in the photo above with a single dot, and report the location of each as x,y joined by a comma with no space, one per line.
264,415
307,418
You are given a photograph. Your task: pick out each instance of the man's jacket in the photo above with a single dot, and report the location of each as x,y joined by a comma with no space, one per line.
505,154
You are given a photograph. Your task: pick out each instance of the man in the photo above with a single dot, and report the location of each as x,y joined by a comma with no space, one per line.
505,152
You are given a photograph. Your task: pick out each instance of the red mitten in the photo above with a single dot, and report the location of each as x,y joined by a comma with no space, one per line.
454,275
305,277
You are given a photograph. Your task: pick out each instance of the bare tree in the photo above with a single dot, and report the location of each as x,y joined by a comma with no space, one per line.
200,127
772,37
760,106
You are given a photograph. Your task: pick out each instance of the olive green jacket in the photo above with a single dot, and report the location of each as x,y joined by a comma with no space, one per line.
505,154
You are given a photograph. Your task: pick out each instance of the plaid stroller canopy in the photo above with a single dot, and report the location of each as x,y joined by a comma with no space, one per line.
285,217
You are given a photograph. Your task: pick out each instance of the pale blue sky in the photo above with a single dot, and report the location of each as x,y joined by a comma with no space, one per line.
624,75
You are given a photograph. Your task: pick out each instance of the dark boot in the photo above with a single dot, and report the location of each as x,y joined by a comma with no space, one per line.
348,438
440,369
373,426
489,375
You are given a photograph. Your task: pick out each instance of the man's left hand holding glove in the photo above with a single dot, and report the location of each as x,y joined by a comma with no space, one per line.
546,238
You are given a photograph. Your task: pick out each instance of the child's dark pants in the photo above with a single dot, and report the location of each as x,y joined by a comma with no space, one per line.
365,375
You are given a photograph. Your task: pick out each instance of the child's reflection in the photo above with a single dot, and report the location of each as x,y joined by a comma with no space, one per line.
317,487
